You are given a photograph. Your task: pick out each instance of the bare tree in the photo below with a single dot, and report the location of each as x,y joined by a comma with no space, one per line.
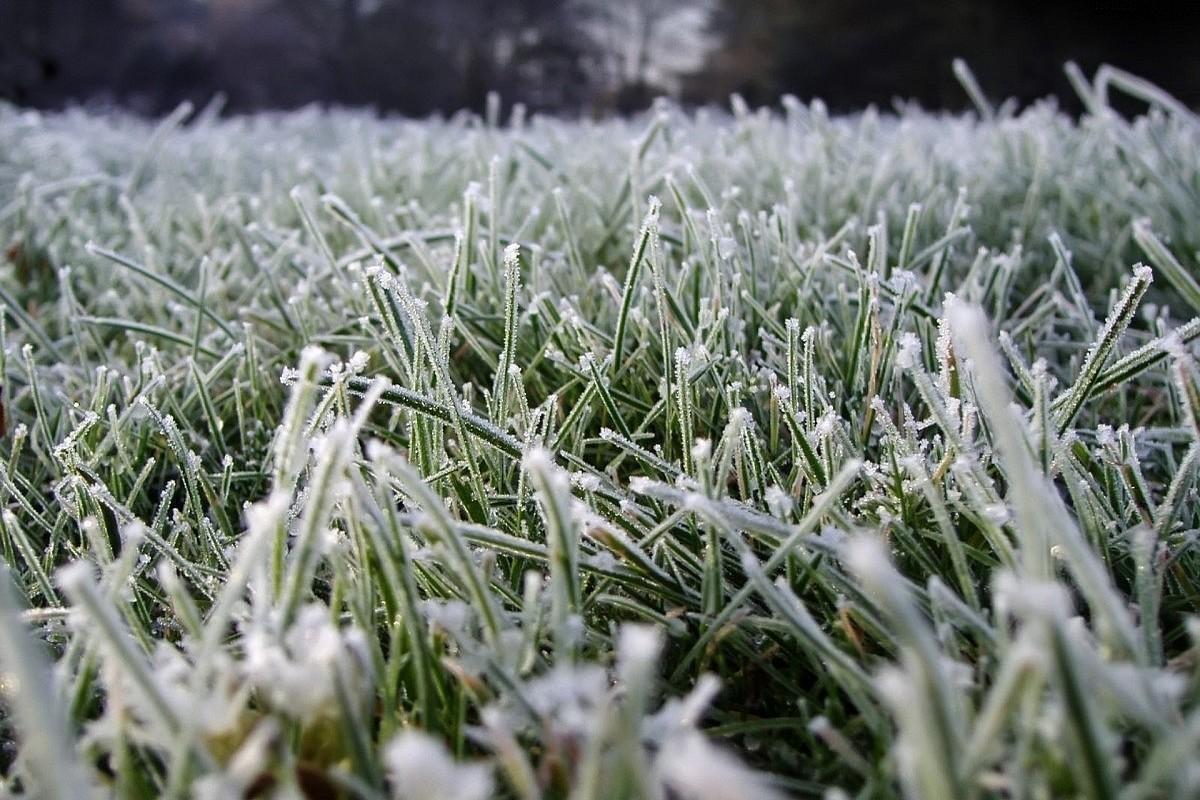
643,46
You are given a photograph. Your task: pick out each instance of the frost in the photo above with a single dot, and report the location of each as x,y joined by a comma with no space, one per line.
908,352
421,769
358,362
585,481
639,484
639,645
604,561
826,424
778,502
996,513
570,696
296,674
694,768
261,583
726,247
1029,598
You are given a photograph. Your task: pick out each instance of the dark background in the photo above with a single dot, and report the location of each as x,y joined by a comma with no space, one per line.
574,56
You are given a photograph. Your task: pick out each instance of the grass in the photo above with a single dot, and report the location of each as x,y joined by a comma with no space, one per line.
697,455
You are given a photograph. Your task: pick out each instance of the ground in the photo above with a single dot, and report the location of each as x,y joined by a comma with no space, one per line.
702,454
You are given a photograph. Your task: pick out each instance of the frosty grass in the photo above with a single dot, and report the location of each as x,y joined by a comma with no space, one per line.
700,455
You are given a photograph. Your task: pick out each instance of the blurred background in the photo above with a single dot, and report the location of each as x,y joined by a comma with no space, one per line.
591,57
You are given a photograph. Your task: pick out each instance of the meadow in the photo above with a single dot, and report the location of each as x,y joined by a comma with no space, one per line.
727,453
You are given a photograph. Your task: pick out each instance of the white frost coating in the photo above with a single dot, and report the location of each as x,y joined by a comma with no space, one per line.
603,560
697,769
639,645
359,361
640,484
903,280
893,685
726,247
868,560
740,163
570,695
1028,598
74,575
449,615
537,458
827,424
1173,345
585,481
421,769
681,714
996,513
908,351
298,672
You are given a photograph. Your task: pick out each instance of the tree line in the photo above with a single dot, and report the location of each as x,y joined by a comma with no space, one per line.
571,56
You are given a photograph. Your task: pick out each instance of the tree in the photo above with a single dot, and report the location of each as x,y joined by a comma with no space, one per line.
642,47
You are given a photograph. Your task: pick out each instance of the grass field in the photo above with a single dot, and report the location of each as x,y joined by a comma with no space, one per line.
700,455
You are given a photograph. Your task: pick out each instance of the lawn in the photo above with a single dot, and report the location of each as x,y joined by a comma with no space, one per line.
704,454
